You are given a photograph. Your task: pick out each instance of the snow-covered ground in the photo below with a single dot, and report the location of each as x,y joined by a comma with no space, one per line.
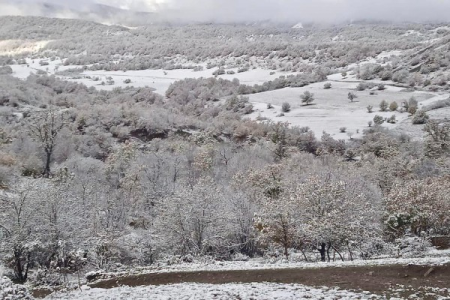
12,47
209,291
160,80
255,290
332,109
432,257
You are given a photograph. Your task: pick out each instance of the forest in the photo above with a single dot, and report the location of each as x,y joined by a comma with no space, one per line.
110,180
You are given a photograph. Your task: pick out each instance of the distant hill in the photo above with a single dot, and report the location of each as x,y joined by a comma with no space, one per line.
85,11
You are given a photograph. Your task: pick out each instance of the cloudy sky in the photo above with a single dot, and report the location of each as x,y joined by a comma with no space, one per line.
279,10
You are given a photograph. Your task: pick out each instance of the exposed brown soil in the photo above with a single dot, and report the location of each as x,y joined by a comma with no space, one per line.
376,279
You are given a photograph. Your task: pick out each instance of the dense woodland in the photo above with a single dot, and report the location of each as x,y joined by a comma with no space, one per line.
96,180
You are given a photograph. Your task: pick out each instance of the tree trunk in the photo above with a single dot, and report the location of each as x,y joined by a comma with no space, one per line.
350,251
328,251
47,164
21,274
323,252
304,255
340,255
286,253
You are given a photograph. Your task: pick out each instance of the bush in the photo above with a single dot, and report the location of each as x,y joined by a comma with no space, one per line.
307,97
411,105
412,110
392,120
378,120
327,86
285,107
393,106
381,87
343,129
384,105
412,246
361,87
6,70
420,117
369,109
127,81
350,155
10,290
269,106
219,71
351,96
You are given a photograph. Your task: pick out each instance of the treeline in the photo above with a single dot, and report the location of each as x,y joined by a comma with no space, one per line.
126,178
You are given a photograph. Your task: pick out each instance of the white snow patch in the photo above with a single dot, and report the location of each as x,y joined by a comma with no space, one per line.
220,292
160,80
13,47
331,108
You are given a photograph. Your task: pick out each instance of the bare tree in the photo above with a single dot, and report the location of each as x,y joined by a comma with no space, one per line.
45,130
16,221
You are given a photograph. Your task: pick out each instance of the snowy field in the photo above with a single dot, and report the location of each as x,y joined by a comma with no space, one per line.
186,291
332,109
432,257
160,80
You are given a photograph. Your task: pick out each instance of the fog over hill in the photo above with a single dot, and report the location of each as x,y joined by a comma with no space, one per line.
137,11
85,10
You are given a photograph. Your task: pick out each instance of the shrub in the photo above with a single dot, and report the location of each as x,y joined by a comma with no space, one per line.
327,86
127,81
343,129
219,71
350,155
384,105
285,107
392,120
351,96
386,75
307,97
361,87
269,106
420,117
370,123
412,110
6,70
378,120
411,105
381,87
393,106
369,109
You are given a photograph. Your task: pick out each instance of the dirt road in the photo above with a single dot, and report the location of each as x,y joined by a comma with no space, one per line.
376,279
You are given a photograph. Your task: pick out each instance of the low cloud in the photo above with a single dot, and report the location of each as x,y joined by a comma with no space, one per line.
255,10
311,10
